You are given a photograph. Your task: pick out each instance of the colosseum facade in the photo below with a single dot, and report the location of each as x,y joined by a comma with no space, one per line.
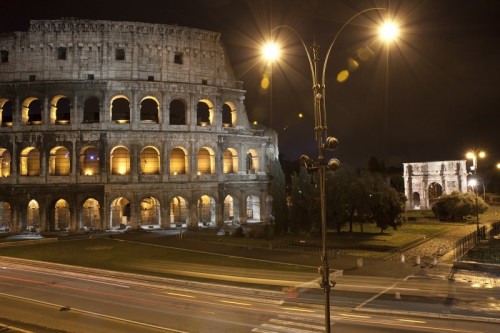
108,125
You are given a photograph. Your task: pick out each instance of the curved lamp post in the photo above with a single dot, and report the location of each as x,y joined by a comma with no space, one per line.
324,142
473,155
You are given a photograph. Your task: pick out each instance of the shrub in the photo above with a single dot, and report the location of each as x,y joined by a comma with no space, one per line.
458,206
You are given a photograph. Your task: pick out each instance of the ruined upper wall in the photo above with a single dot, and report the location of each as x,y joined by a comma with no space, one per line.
74,49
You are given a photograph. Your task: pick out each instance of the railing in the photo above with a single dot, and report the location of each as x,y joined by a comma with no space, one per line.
467,243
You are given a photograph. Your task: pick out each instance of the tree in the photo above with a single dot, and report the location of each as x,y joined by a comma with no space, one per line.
278,192
457,206
305,212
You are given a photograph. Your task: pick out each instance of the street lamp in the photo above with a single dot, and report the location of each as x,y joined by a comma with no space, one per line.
473,155
324,142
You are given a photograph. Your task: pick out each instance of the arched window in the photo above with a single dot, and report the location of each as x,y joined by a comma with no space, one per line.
59,162
30,162
227,116
149,111
206,211
89,161
230,161
120,213
120,161
206,161
150,211
150,161
252,161
5,215
204,114
4,162
253,208
61,215
435,191
91,110
91,216
33,214
416,200
32,111
178,212
177,112
178,161
120,110
5,113
60,110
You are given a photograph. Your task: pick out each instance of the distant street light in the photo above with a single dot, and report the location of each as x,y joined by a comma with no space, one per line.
473,155
271,52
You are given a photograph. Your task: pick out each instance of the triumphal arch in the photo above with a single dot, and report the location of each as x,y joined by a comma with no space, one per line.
425,182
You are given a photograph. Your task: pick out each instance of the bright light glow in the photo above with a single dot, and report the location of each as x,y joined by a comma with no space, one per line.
482,154
472,182
470,155
498,165
271,51
389,31
301,115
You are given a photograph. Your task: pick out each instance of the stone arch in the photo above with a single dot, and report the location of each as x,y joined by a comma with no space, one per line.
62,215
253,208
31,112
29,162
435,191
206,161
150,110
91,110
120,161
178,161
89,161
150,161
206,211
60,110
177,112
119,213
229,114
252,161
33,216
5,216
230,161
231,209
5,160
6,110
179,212
59,161
415,200
120,109
204,113
91,215
150,211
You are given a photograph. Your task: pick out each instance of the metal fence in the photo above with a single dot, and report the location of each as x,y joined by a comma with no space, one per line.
467,243
479,247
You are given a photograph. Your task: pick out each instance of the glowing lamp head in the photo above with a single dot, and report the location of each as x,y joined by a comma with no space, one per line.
472,182
482,154
389,31
271,51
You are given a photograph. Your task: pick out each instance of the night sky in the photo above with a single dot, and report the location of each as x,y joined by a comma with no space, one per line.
429,96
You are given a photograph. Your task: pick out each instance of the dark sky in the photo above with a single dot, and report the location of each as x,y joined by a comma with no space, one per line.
429,96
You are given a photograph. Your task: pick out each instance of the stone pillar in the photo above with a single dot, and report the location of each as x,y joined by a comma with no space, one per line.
135,158
193,215
243,208
165,215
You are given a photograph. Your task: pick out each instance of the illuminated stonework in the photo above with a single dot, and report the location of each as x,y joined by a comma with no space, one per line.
427,181
117,124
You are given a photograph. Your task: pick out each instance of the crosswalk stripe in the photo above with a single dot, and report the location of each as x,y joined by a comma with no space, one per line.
259,330
285,328
294,323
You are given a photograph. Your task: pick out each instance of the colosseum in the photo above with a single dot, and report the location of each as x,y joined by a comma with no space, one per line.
111,125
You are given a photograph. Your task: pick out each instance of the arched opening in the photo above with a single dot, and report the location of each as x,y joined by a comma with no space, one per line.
206,161
177,112
150,212
91,110
415,200
60,110
33,216
206,211
120,110
61,215
89,161
4,162
149,110
32,111
204,113
253,208
178,161
230,161
178,213
231,210
252,161
120,161
59,162
91,215
30,162
5,113
228,115
5,216
435,191
150,161
120,214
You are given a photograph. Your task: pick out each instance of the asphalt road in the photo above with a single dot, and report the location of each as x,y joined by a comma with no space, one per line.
38,298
